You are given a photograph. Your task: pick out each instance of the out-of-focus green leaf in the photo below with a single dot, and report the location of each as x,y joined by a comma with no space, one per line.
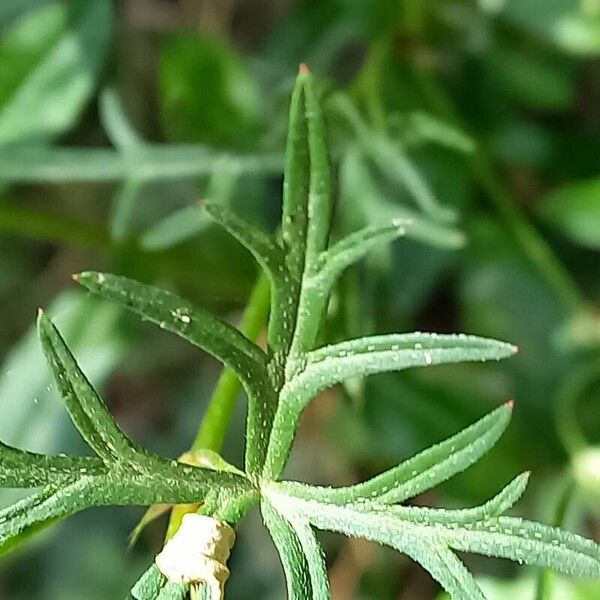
573,26
575,210
421,127
189,221
519,142
9,9
123,136
115,121
586,469
394,163
361,194
50,62
151,162
536,82
206,93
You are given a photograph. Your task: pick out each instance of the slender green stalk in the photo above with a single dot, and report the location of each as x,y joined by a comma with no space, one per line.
213,427
215,423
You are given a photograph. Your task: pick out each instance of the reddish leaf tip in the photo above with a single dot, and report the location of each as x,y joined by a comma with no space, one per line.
303,69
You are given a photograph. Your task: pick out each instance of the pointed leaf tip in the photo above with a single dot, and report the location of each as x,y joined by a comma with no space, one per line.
40,312
510,404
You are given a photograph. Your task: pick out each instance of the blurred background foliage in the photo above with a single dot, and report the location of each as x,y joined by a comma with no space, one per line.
479,120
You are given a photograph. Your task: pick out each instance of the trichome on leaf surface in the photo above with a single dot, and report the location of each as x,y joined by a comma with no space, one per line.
302,267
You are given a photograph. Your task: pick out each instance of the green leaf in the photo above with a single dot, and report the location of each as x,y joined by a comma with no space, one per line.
223,110
360,194
123,136
566,24
306,188
391,159
423,471
353,247
87,410
179,316
175,228
52,58
377,354
187,222
426,127
293,558
530,543
124,473
32,412
263,246
448,570
269,254
21,469
366,356
116,123
575,211
428,535
152,162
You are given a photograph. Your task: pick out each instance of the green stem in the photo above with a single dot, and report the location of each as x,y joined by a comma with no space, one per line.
214,424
